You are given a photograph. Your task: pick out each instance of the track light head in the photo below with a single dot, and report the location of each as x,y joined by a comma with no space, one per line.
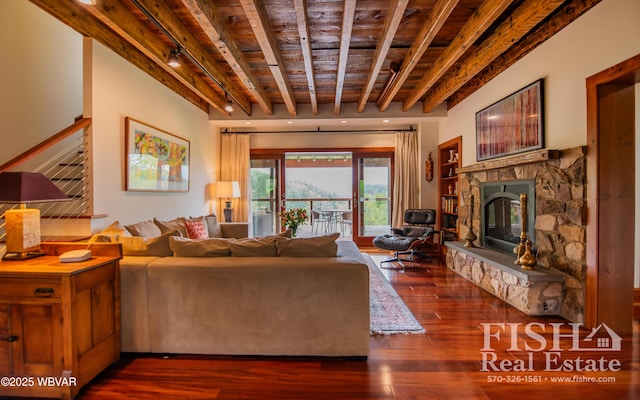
174,59
229,106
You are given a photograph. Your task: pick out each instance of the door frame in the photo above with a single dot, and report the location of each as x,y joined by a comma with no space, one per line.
604,291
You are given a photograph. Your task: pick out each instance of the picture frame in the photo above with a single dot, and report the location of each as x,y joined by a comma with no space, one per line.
155,160
512,125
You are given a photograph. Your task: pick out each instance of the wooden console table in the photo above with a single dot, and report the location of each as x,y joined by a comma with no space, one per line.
59,322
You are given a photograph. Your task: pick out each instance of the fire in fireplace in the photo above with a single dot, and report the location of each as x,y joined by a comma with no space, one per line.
500,217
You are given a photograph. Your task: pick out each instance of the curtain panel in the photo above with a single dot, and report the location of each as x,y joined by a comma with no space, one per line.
235,166
406,176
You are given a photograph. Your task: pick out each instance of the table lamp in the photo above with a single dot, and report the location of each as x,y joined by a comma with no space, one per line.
23,224
227,190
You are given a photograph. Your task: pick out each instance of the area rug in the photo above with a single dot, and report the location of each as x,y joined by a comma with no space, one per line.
388,313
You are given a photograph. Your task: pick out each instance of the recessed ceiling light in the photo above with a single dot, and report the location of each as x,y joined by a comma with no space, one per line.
343,122
247,123
289,122
385,120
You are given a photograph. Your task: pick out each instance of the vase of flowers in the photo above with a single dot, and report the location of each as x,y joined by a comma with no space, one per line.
293,218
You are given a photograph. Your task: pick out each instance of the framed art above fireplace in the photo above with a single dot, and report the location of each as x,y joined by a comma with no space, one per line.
511,125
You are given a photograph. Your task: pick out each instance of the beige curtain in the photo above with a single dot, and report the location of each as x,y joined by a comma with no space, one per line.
234,166
406,176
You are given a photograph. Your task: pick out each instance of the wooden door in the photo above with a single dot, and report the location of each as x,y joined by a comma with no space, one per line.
610,173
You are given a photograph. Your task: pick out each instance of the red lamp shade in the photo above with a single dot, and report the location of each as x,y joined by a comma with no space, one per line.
28,187
23,225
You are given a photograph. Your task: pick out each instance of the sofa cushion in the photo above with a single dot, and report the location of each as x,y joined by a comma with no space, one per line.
140,246
144,229
320,246
196,230
213,227
211,247
177,224
254,247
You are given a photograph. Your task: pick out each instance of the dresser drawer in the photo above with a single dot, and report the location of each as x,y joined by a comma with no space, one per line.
32,288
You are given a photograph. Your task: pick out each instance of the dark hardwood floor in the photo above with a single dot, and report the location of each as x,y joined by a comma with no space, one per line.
444,363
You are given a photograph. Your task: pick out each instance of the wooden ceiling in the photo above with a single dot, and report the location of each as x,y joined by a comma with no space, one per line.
277,56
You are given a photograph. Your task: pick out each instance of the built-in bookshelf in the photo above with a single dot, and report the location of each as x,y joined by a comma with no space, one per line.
449,160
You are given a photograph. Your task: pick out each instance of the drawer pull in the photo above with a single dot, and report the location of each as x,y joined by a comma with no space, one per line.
43,292
10,339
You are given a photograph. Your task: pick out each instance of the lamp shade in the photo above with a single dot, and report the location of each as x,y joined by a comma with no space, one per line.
227,189
28,187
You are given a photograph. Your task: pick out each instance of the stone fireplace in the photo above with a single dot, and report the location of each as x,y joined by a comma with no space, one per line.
557,228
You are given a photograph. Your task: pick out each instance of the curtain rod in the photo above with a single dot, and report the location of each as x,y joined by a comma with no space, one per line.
410,129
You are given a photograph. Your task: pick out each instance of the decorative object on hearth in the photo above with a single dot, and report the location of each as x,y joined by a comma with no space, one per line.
512,125
228,190
155,160
428,168
23,224
524,256
293,218
470,236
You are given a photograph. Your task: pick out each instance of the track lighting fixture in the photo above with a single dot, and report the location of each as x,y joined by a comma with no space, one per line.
174,59
229,106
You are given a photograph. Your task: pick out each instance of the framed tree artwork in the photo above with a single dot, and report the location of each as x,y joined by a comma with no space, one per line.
156,160
512,125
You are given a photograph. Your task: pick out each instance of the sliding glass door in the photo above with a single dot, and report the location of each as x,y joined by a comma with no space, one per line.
372,188
266,176
346,191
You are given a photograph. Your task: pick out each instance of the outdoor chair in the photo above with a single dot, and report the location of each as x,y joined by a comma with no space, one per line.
319,219
414,239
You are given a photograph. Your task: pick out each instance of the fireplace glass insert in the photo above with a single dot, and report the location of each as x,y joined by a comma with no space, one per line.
501,217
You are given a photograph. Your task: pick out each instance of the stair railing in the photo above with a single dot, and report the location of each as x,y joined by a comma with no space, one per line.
64,159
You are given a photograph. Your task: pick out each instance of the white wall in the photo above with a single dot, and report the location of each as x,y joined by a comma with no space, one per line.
41,85
120,90
606,35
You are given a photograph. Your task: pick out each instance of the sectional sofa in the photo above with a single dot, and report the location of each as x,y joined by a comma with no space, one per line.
272,295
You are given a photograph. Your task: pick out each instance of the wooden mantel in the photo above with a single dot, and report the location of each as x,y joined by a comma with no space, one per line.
519,159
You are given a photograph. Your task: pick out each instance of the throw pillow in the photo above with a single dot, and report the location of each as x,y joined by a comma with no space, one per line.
212,247
173,225
156,246
320,246
196,230
213,227
144,229
253,247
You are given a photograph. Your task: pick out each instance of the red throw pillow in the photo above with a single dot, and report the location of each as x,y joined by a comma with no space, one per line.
196,230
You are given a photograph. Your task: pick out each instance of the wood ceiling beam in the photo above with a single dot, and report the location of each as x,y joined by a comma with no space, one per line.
432,24
569,12
77,17
348,13
305,43
259,21
170,22
477,24
522,20
395,13
203,11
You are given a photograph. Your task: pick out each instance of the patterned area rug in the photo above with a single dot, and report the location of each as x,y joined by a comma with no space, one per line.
388,313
